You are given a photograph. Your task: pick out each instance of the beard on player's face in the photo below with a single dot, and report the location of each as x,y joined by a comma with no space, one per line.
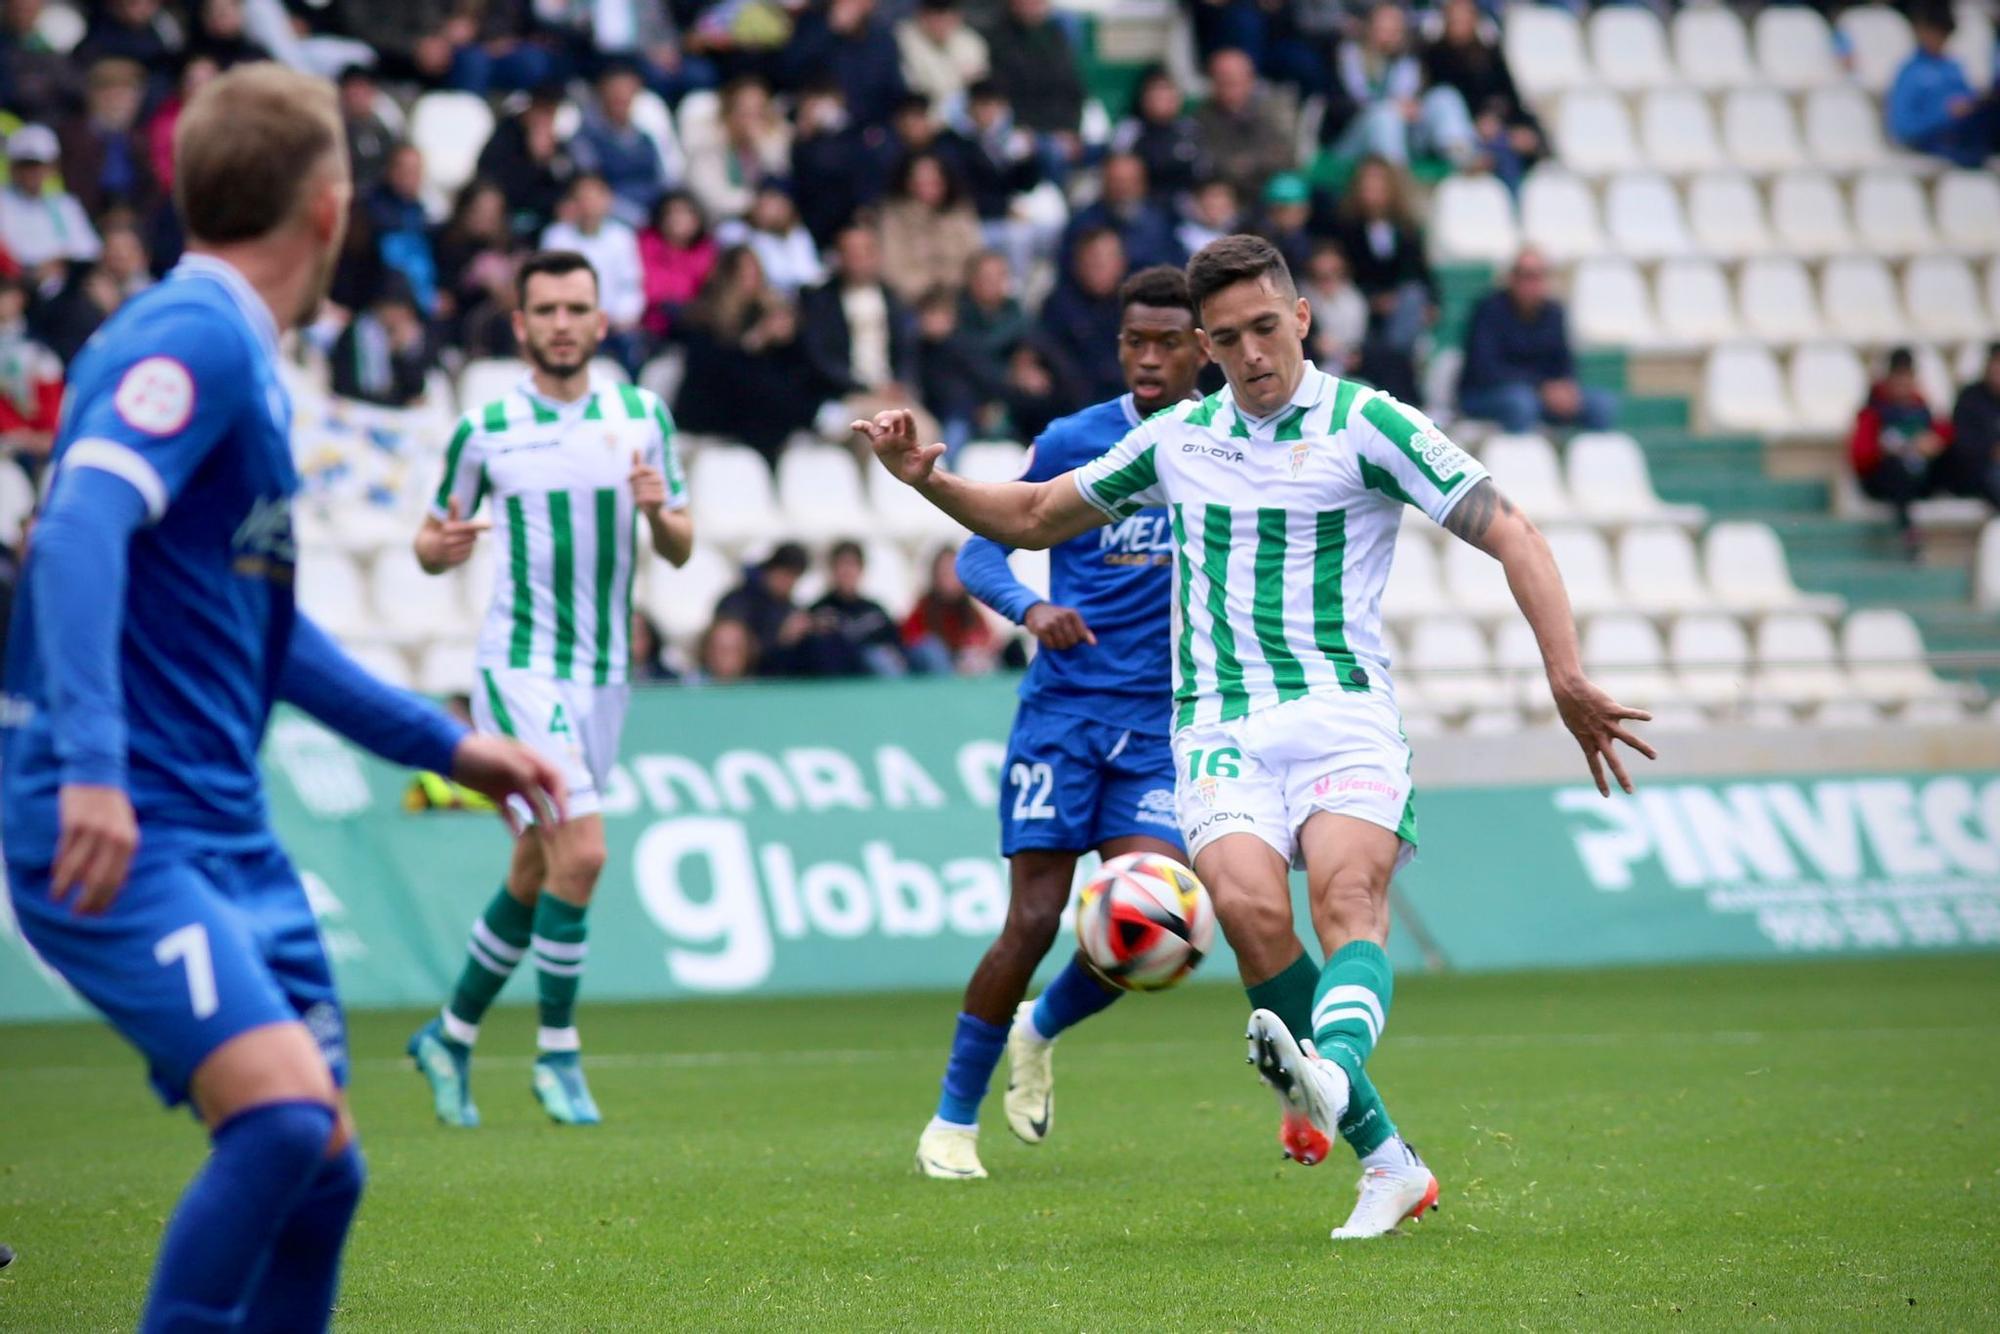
573,356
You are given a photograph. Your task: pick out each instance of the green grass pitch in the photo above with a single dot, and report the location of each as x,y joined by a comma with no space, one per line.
1807,1145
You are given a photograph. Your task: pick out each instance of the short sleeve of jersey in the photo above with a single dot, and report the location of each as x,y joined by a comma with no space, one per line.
665,455
1404,455
1125,478
464,477
153,399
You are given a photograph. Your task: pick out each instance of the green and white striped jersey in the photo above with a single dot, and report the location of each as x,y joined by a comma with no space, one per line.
1283,530
558,476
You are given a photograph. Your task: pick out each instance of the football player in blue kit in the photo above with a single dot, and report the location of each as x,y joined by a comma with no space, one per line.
155,631
1088,765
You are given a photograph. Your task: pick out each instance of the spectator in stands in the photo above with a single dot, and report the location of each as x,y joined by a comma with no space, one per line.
1040,389
1382,106
506,50
849,42
1213,213
677,254
31,381
1126,205
1904,452
1001,164
382,356
1975,424
218,34
755,145
851,633
929,227
860,339
402,229
954,378
946,631
833,160
530,163
645,35
471,250
486,329
763,605
1378,233
87,297
631,161
942,56
648,658
783,245
41,83
1245,136
990,318
1161,134
125,261
746,375
104,153
137,30
369,138
1508,136
587,227
1036,68
44,230
1288,209
727,652
1079,320
1932,107
1339,311
1519,369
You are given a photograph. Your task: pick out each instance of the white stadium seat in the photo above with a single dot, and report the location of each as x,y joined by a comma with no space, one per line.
1676,128
1860,301
61,27
1472,221
1891,216
1475,581
1848,712
1747,570
1559,214
450,129
991,461
1828,384
1415,587
1986,565
1449,655
484,380
1658,571
1622,652
819,493
1794,48
682,601
1776,297
1797,661
888,578
1968,212
1593,132
447,667
1517,659
1526,468
1609,305
1809,215
1497,720
410,606
1711,48
1643,215
1609,481
389,666
1544,49
1628,49
1693,303
1884,651
1881,41
1759,132
1843,129
1934,711
17,502
1972,45
905,515
1993,289
729,487
1711,657
1942,299
1934,377
1742,389
1585,563
1727,216
330,590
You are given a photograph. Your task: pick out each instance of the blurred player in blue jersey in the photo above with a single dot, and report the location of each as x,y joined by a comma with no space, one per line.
154,633
1088,764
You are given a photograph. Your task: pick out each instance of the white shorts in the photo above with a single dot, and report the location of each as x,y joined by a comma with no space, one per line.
1267,773
572,724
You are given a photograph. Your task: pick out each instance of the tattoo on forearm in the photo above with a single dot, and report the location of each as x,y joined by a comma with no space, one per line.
1472,516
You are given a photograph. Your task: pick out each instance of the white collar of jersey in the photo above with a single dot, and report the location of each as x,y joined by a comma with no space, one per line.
1130,407
240,291
1312,384
558,405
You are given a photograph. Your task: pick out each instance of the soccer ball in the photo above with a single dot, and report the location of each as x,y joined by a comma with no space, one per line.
1144,921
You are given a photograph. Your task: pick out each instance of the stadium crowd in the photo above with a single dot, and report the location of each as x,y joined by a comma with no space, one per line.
890,203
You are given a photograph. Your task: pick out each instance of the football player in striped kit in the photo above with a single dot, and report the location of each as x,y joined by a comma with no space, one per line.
568,464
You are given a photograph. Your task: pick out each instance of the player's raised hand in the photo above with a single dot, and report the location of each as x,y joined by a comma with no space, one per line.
501,768
1057,627
94,850
892,434
649,485
451,541
1597,721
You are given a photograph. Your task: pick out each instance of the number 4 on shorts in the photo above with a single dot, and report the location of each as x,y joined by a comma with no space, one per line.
558,723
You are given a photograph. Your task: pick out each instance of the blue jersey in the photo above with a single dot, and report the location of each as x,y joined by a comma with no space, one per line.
1119,579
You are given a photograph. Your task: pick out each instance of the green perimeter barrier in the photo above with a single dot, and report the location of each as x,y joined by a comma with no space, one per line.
843,837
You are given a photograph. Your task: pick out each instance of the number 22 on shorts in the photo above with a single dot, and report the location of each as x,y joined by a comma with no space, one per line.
1033,784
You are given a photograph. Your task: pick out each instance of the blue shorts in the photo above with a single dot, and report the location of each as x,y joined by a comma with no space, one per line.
1070,784
197,948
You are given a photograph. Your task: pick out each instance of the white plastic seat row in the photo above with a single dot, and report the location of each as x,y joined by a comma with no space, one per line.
1838,128
1604,478
395,603
1745,389
1628,49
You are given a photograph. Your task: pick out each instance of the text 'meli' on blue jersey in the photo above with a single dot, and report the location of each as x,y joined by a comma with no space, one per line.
156,625
1118,578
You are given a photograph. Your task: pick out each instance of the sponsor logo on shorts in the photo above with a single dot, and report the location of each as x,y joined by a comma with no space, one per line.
1157,807
1342,785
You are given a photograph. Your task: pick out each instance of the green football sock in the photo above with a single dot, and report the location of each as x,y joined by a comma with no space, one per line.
1289,995
560,950
499,938
1350,1008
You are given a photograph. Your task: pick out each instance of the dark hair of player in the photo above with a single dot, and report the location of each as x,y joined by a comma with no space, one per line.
555,263
245,147
1161,287
1236,259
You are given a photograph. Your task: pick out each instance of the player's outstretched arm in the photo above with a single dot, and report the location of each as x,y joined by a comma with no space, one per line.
1488,520
1035,515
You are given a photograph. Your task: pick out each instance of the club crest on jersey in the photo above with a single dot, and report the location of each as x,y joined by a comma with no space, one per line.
155,396
1301,451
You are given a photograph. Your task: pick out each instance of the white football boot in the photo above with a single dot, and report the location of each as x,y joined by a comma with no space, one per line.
950,1153
1312,1093
1388,1196
1031,1078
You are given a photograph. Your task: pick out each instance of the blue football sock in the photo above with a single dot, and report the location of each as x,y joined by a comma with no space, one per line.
975,1050
298,1287
218,1243
1073,997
